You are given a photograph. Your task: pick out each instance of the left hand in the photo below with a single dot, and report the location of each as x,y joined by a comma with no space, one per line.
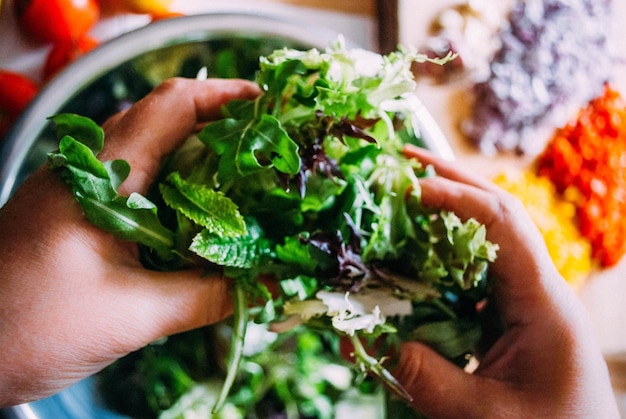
73,298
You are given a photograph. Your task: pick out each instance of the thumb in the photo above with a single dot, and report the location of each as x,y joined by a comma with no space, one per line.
165,303
439,388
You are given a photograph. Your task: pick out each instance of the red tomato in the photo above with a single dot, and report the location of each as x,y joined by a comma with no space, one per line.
63,53
57,20
16,92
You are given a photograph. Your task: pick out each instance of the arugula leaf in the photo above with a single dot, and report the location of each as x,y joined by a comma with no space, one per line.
80,127
118,171
132,219
95,184
247,146
89,176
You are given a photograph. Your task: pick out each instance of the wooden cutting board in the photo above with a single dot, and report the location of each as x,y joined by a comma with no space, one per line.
605,291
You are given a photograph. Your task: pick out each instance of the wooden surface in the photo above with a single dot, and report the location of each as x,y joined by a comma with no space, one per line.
364,7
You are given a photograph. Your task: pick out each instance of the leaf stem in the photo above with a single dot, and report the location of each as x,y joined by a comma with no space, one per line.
375,366
240,320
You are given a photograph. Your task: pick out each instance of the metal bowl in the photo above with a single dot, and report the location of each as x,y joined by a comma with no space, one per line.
106,75
110,77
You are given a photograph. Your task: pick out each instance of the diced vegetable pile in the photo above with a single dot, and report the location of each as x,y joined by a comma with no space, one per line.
306,186
555,217
586,160
554,57
576,189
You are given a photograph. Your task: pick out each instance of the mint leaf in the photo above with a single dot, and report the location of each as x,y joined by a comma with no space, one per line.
236,252
203,205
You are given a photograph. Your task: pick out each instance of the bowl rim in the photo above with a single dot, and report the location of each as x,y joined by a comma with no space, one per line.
117,51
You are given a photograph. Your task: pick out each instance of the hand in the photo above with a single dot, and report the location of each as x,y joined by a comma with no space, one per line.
73,298
546,363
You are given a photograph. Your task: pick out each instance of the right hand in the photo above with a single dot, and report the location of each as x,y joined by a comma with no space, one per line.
547,362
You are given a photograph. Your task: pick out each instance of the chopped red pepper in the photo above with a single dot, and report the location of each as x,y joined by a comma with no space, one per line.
589,154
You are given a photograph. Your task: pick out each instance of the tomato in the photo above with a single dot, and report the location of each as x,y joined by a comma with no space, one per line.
16,92
57,20
63,53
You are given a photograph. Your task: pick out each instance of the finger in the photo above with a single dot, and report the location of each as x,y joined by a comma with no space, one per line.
465,200
113,120
163,119
440,389
447,169
166,303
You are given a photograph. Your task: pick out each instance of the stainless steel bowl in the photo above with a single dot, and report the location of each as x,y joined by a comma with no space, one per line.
97,83
26,145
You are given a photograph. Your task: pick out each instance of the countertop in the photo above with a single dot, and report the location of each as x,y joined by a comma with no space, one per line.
603,293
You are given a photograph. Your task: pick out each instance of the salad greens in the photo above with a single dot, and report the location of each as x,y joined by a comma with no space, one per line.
307,187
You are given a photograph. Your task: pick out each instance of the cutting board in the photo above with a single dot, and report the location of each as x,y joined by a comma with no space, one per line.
604,292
